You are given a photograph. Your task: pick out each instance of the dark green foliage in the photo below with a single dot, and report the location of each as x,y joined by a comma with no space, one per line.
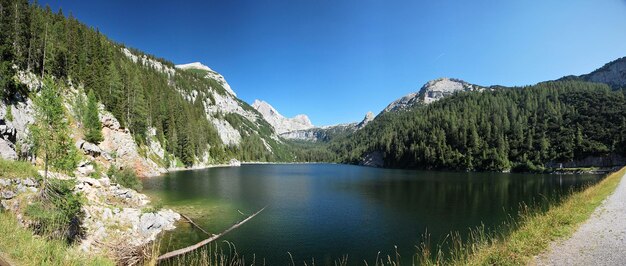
57,214
518,128
93,128
50,132
125,177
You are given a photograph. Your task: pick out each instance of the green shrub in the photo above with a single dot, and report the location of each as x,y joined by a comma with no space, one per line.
125,177
58,212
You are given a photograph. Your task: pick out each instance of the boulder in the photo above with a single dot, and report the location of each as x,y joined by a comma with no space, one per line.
7,194
7,150
89,148
234,162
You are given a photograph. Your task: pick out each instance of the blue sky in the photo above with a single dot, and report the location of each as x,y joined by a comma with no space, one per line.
334,60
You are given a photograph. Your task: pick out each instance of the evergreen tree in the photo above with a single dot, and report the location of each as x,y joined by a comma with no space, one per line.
93,128
50,132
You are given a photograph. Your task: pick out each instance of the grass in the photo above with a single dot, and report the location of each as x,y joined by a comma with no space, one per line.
17,169
528,237
19,246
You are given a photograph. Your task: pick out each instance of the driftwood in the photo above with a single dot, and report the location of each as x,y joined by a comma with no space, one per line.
195,225
206,241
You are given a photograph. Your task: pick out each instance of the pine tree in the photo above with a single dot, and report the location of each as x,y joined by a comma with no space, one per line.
91,120
50,132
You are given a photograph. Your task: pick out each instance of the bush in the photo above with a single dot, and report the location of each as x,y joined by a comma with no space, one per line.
58,213
125,177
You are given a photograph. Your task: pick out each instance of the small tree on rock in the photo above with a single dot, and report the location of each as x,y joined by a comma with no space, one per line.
91,120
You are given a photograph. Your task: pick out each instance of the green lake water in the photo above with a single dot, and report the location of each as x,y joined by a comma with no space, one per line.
326,211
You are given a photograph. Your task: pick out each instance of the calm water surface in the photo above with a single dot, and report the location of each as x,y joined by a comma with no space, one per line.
325,211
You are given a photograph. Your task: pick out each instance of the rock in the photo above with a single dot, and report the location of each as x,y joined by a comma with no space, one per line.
86,170
234,162
368,118
7,194
89,148
108,120
153,222
373,159
431,92
7,150
30,182
612,74
7,132
280,123
89,181
106,156
105,181
5,182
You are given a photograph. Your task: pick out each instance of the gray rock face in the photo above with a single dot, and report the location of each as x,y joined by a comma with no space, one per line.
612,74
280,123
7,150
369,117
373,159
432,91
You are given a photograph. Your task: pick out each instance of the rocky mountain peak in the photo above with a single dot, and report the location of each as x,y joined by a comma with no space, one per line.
430,92
368,118
280,123
612,74
194,65
210,74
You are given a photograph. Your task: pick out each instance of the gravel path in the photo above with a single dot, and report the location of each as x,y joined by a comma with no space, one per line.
601,240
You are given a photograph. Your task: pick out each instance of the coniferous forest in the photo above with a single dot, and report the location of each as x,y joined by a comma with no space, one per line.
51,43
506,128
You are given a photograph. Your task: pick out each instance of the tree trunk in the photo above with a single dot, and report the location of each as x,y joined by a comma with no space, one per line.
43,62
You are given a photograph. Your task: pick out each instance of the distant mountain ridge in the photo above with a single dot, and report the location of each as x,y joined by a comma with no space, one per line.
280,123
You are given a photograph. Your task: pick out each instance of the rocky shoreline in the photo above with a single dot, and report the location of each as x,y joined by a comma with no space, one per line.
114,216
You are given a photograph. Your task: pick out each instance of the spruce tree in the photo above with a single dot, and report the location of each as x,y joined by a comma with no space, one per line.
91,120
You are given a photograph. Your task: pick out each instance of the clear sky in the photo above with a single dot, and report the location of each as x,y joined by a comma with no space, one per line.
334,60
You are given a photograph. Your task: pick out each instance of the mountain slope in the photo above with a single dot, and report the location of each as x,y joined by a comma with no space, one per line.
527,128
612,74
190,111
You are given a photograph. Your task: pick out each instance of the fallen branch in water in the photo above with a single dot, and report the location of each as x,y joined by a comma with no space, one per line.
206,241
195,225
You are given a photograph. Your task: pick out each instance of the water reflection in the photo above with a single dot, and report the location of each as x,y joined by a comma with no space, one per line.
325,211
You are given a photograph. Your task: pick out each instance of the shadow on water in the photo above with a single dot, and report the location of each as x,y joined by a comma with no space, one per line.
322,211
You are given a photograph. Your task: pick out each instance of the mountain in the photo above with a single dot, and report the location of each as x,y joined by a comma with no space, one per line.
327,133
159,115
612,74
431,91
280,123
210,74
572,123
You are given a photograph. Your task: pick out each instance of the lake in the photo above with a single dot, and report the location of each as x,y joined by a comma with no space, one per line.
326,211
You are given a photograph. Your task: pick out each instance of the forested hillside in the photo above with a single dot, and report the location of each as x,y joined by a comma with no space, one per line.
507,128
185,109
